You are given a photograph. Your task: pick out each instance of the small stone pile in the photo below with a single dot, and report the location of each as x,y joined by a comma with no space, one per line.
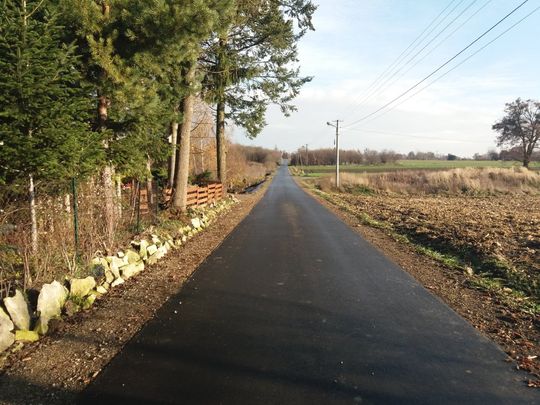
19,322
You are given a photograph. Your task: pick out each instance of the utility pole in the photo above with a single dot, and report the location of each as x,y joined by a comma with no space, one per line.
337,149
307,155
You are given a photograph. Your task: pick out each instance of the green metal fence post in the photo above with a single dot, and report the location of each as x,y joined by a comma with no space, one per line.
75,215
138,206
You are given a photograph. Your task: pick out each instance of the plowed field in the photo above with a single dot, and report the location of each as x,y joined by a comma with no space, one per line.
496,235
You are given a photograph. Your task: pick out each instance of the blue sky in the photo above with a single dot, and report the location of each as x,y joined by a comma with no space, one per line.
355,41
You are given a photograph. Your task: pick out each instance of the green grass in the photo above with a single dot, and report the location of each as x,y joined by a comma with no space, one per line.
314,171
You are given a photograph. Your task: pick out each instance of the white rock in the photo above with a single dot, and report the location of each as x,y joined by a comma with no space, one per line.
143,245
26,336
17,308
117,282
162,251
132,256
151,249
131,269
51,299
109,277
81,287
6,326
89,301
100,289
116,263
196,223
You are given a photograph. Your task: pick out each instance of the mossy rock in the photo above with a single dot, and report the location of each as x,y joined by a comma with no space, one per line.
89,301
26,336
132,256
81,287
132,269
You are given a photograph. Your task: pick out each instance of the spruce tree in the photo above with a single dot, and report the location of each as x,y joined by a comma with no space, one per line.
43,106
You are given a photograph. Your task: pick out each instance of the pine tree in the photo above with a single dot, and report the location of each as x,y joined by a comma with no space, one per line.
43,105
134,51
200,20
118,42
251,65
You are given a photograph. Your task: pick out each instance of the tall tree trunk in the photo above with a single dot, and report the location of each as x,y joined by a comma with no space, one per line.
119,208
182,156
526,155
202,154
149,188
107,176
172,159
108,193
33,215
221,145
67,203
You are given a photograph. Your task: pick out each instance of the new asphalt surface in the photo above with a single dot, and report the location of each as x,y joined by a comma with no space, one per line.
296,308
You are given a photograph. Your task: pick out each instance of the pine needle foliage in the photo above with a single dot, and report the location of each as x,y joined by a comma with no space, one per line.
44,105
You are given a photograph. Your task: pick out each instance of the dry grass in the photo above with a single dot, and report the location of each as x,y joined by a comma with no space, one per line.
243,173
467,181
56,256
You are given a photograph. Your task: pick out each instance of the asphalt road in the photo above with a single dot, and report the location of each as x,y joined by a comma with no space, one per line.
296,308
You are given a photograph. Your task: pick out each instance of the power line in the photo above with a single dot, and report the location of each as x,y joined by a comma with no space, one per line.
382,85
456,66
441,66
440,43
404,53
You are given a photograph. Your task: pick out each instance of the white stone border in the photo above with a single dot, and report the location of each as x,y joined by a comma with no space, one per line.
21,323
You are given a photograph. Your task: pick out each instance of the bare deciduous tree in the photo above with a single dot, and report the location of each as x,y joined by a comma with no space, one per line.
520,127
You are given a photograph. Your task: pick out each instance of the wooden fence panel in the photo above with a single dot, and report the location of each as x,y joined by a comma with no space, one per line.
219,191
196,195
192,196
202,197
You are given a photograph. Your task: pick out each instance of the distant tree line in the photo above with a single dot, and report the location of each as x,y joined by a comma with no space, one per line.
327,156
512,154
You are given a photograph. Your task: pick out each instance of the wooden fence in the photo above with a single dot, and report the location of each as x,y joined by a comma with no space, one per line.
196,195
199,195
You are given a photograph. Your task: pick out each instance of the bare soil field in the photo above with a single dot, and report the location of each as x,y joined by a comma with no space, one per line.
497,235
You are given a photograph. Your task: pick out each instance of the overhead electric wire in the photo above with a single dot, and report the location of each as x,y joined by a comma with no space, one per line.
440,43
441,66
455,67
382,85
404,53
